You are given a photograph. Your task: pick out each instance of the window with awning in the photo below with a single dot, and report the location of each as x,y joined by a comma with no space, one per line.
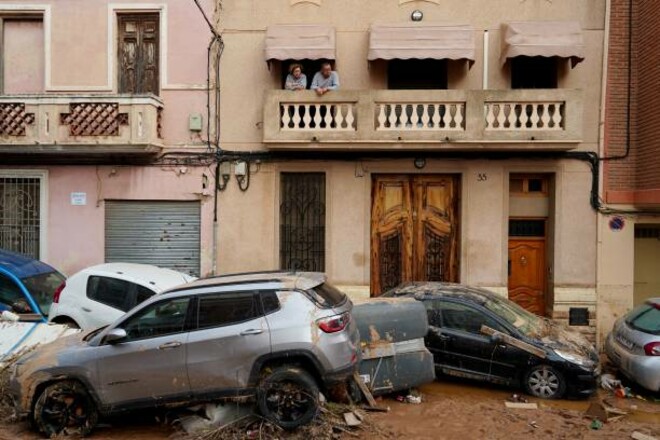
300,42
421,41
561,39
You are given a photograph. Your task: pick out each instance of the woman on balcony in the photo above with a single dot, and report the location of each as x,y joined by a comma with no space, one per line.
295,80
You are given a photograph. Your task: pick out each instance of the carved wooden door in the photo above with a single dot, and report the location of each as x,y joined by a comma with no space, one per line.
138,53
414,230
527,273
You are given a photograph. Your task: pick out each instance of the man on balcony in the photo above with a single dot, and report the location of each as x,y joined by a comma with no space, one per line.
325,80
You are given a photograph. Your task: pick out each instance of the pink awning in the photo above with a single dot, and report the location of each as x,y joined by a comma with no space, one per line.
542,38
420,41
300,41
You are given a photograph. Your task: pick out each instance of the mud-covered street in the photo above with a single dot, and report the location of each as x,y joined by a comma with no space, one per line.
451,409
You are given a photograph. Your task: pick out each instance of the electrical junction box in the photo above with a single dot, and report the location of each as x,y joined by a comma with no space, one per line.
195,122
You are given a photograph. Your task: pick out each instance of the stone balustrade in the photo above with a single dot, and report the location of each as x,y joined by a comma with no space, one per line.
453,119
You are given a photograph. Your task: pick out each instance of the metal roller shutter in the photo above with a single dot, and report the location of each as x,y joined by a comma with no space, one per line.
165,234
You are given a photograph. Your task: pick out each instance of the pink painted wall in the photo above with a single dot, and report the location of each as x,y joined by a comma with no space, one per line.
23,46
80,54
76,233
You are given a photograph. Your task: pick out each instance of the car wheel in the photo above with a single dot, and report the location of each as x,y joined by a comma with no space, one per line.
69,323
288,396
545,382
65,406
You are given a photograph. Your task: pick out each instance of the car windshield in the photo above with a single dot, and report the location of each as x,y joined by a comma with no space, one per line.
645,318
526,322
42,287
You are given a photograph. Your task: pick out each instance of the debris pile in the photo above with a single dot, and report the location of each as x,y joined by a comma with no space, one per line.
334,421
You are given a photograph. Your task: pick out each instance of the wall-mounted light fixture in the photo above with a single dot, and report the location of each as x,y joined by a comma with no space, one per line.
419,163
242,173
224,175
417,15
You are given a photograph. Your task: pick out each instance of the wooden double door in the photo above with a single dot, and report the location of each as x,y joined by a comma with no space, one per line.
414,230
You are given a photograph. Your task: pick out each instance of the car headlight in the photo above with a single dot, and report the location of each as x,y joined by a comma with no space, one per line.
575,358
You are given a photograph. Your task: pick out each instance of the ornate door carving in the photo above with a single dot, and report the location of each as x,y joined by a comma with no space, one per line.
414,230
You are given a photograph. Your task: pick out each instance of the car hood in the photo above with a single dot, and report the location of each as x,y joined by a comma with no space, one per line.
559,337
52,354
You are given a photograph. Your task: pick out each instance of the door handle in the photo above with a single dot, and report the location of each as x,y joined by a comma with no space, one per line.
444,337
85,309
168,345
252,331
502,346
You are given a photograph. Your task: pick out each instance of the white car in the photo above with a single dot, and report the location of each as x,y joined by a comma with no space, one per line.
98,295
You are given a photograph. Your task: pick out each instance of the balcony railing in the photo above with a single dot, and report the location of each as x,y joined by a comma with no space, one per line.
548,119
82,124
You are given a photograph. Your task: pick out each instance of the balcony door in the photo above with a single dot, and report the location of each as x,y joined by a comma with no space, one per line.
414,230
138,52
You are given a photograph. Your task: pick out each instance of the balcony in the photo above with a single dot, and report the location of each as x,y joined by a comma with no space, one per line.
80,126
497,120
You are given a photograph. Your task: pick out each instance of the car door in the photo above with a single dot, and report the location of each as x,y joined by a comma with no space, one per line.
231,332
455,337
149,365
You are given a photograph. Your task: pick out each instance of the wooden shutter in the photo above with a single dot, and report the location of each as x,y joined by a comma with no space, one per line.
138,53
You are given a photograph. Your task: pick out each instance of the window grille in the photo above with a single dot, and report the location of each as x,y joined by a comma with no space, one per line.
20,221
302,221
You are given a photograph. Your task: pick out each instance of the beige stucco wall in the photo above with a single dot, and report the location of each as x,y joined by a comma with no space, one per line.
249,236
647,275
246,75
252,242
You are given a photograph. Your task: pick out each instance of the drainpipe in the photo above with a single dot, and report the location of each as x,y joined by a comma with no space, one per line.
600,222
485,63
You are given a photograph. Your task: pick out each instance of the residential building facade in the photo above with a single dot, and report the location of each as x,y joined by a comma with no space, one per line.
455,149
629,229
103,107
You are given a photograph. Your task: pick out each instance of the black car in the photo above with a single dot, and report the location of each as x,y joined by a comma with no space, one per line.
476,334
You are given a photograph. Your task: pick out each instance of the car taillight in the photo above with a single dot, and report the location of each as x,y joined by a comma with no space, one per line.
335,323
58,292
652,349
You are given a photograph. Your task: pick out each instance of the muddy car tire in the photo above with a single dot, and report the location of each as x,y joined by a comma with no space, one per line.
65,406
288,396
545,382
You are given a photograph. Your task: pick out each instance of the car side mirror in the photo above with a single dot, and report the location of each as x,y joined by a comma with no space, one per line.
115,336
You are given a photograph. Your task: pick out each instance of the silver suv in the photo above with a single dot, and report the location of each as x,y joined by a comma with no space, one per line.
280,337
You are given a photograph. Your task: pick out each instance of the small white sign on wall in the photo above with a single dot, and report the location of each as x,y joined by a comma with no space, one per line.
78,198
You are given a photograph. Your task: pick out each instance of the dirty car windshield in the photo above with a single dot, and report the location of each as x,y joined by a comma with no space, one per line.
645,318
42,287
527,323
327,296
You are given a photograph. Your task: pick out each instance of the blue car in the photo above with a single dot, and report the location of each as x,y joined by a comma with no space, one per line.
27,286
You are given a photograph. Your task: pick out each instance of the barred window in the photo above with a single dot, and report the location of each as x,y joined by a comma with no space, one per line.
302,221
20,216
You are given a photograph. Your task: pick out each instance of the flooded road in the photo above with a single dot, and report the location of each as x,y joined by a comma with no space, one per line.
451,409
457,409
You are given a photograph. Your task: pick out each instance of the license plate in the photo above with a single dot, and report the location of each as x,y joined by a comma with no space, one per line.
625,342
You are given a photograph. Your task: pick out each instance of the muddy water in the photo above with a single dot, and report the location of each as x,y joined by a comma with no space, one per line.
638,410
